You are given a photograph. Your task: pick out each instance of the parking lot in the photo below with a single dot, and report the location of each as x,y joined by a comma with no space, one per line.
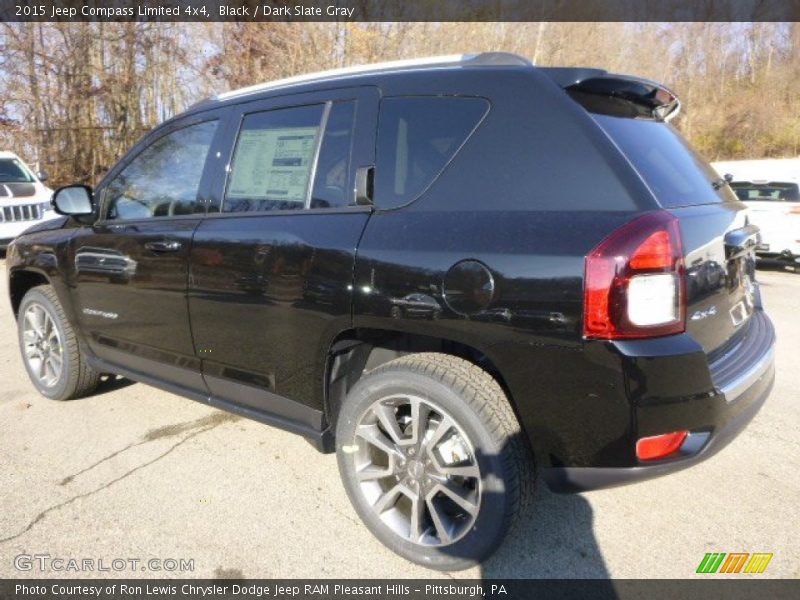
134,472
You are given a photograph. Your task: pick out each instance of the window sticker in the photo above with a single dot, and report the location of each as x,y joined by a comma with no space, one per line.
273,164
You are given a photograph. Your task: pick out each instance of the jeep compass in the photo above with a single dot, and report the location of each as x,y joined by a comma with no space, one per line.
459,274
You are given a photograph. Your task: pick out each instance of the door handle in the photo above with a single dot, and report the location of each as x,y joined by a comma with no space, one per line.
164,246
365,182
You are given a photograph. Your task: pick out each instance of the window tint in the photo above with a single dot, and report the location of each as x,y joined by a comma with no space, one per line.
11,171
164,178
677,175
331,182
273,160
417,137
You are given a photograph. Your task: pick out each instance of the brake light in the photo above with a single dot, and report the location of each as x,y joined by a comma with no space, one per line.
660,446
654,253
634,284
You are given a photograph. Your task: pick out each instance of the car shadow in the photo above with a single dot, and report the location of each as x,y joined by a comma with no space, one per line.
553,539
111,383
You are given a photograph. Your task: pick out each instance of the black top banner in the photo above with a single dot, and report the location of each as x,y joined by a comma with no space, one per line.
398,10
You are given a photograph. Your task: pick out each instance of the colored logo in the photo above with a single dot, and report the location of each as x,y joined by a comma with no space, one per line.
735,562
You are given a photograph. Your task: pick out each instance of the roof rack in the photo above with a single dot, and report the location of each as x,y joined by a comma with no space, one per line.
495,59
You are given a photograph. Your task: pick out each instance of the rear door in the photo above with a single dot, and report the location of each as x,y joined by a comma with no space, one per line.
719,242
272,264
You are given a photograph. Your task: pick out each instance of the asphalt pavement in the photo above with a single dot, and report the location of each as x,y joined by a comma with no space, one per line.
135,474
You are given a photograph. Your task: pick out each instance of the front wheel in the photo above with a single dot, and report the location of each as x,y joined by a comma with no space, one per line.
432,458
50,348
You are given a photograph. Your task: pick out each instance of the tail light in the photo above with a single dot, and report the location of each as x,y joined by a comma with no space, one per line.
634,285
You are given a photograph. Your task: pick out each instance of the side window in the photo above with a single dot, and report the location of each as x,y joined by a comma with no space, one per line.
273,160
331,182
164,178
417,137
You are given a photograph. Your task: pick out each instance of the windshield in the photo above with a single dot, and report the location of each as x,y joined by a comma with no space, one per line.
677,175
773,191
12,171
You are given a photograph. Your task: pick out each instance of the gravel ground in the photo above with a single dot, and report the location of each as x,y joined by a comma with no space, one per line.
134,472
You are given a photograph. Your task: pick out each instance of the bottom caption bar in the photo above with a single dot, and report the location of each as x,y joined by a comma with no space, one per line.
407,589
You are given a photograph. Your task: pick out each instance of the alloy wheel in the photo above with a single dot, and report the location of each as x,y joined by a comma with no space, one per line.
43,349
417,470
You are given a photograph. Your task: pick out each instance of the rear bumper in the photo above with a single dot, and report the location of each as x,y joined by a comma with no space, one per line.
697,448
743,378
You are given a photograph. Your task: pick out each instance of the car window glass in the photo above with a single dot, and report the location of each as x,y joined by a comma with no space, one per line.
772,191
417,137
12,171
676,174
163,180
331,182
273,160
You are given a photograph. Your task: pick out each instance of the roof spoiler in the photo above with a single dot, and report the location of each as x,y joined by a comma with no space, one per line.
617,95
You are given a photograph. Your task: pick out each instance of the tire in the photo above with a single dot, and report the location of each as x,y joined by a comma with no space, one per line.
75,378
431,392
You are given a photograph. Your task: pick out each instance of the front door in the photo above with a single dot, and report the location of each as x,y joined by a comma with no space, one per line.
131,267
271,270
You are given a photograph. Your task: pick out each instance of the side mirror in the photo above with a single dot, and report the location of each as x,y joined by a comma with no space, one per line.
74,201
42,176
728,177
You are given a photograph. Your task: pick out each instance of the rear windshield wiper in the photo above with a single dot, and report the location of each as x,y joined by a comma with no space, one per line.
722,181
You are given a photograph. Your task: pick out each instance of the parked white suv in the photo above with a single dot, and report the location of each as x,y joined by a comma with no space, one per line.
24,199
771,190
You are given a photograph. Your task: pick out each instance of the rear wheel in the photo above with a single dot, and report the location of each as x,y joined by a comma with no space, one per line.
432,458
50,349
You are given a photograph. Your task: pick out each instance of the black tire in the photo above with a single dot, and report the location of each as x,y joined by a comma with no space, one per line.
475,401
77,378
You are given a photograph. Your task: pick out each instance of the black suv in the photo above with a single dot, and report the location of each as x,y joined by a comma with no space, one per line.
454,273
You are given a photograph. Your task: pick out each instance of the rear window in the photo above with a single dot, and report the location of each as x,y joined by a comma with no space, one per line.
773,191
677,175
417,137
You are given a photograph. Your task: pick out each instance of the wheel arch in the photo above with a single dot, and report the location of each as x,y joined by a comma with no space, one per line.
21,281
355,352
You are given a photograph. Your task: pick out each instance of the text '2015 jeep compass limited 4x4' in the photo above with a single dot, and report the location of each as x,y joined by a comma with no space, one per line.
455,273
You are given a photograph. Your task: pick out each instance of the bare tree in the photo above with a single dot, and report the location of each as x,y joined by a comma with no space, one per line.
75,96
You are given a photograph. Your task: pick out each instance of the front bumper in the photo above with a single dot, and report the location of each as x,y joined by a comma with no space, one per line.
743,376
10,230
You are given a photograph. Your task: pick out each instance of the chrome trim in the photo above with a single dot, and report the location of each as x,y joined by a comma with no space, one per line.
21,212
738,386
323,126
